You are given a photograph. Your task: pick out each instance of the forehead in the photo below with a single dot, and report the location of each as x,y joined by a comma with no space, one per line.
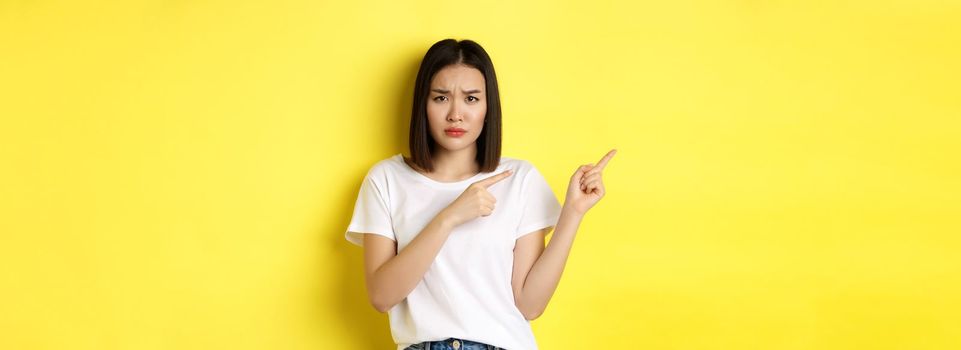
458,75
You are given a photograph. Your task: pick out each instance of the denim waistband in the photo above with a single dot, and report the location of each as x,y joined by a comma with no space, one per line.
452,344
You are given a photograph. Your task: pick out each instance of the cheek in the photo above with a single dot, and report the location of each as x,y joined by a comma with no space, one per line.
480,114
436,115
435,128
433,113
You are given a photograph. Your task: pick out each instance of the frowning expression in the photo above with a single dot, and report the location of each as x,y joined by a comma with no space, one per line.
457,106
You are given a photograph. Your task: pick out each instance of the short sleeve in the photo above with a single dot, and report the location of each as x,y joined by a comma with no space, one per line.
371,214
541,208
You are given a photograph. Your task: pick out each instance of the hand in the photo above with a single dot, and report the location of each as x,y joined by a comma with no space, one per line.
474,202
586,187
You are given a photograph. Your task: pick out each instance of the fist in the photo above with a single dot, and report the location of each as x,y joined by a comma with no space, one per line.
475,201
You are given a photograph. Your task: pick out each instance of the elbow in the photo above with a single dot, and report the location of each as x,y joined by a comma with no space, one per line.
530,313
533,315
382,308
381,304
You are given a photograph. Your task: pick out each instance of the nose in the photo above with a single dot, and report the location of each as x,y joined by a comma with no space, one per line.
454,115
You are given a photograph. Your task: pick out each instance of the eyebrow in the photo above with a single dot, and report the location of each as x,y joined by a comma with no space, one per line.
442,91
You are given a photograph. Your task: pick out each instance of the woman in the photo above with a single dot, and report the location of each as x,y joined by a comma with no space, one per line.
453,236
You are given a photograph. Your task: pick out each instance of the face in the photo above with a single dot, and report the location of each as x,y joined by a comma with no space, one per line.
457,100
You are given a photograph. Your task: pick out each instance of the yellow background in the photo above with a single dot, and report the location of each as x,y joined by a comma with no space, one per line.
179,174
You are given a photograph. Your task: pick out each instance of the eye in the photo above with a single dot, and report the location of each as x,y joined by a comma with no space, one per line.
472,97
439,97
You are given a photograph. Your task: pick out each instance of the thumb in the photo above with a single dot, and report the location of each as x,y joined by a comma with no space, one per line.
581,170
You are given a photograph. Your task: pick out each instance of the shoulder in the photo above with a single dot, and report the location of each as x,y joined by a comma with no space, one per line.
383,168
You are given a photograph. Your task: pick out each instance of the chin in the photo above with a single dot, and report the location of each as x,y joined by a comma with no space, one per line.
456,145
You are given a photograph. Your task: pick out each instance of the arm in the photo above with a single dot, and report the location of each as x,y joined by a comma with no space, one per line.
537,270
391,276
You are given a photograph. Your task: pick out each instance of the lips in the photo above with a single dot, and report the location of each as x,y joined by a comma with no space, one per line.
454,132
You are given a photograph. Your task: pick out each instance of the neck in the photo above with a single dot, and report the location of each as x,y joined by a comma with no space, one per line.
455,165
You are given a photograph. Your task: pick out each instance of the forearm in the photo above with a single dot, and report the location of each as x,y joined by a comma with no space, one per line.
397,277
545,274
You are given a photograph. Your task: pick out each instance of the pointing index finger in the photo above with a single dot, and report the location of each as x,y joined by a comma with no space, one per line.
607,157
494,179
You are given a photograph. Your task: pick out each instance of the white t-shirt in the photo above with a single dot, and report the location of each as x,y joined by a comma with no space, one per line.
466,293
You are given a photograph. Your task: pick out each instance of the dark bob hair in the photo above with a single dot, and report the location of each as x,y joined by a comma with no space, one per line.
442,54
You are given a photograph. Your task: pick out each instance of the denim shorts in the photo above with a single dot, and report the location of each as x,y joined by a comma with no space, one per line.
452,344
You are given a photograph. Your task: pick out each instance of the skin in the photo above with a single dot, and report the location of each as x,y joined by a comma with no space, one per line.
457,99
